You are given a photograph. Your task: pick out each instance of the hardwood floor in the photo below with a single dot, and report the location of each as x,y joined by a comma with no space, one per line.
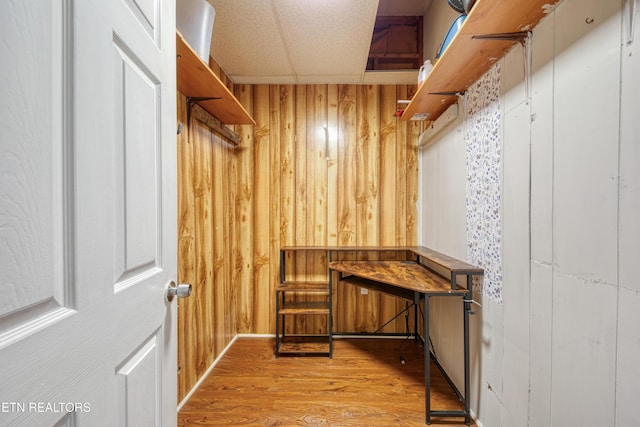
364,385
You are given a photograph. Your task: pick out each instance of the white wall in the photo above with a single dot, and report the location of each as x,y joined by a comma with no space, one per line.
437,19
563,347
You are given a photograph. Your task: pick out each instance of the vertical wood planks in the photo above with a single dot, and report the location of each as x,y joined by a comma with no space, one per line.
401,175
302,208
315,175
244,216
287,171
287,167
415,129
220,255
324,165
317,140
187,333
388,166
203,204
368,166
226,232
206,320
368,194
260,232
332,165
275,203
347,166
388,190
347,172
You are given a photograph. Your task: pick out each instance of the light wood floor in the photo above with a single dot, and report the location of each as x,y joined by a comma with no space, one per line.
364,385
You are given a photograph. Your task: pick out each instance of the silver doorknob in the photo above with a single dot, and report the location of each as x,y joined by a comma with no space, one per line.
183,290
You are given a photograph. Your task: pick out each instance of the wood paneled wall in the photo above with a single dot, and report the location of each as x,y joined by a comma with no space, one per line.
324,165
206,247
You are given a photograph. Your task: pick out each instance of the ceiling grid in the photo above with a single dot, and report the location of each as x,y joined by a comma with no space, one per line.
301,42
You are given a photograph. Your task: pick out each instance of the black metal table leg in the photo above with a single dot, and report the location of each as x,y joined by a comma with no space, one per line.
427,362
467,380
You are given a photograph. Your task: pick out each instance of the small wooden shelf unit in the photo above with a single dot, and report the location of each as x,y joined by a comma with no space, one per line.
287,305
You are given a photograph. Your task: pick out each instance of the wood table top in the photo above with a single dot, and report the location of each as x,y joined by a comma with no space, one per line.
405,274
445,261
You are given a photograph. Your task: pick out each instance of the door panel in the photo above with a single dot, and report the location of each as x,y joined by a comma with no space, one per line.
33,185
87,213
147,14
138,387
137,95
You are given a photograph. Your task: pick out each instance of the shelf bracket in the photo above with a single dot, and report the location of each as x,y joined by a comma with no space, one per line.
516,36
449,93
190,101
194,100
524,37
210,120
629,20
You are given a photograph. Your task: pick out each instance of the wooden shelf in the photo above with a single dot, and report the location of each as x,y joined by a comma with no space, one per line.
305,308
303,286
467,58
196,80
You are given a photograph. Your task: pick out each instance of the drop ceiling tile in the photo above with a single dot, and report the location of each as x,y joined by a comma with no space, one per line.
294,41
329,78
246,39
327,37
287,79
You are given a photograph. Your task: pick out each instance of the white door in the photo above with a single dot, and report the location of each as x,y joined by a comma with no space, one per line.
87,213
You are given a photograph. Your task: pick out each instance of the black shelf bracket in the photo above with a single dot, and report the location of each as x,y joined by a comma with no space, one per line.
517,36
210,120
449,93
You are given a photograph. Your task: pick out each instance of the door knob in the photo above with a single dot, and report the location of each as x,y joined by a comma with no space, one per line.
183,290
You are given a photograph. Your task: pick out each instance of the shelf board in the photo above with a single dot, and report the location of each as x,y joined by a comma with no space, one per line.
466,58
305,308
196,80
303,286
